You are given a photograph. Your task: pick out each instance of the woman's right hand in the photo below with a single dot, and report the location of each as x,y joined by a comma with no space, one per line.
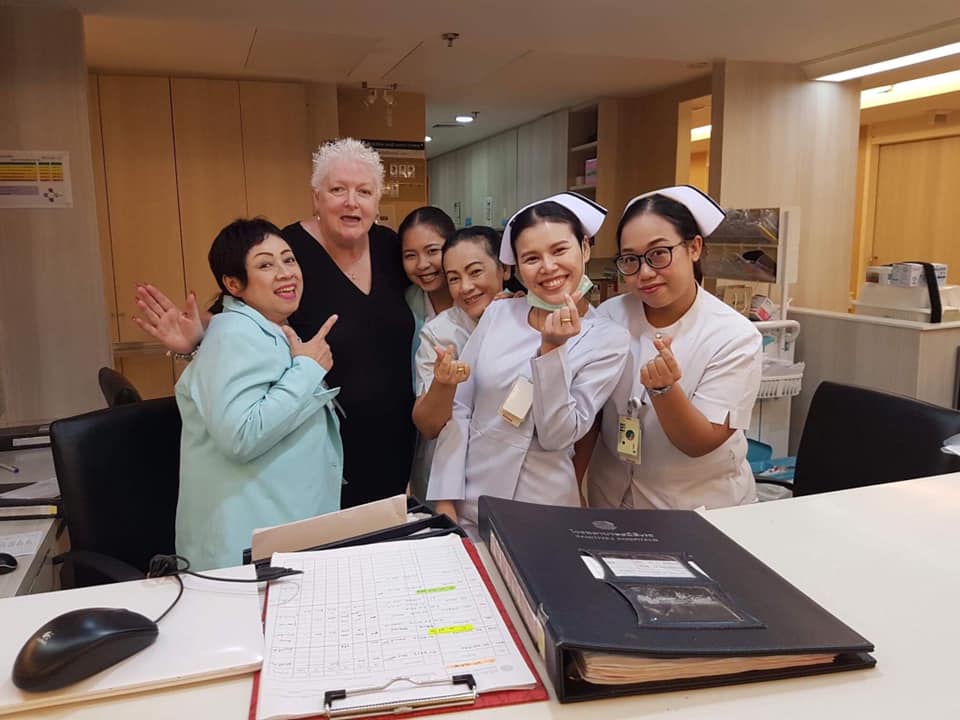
447,370
179,330
448,508
316,348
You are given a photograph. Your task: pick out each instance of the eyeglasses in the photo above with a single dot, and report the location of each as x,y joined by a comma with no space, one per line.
656,258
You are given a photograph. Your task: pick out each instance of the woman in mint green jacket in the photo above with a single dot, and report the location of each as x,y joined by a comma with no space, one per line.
260,443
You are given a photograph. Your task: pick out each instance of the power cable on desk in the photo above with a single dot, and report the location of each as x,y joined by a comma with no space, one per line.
169,566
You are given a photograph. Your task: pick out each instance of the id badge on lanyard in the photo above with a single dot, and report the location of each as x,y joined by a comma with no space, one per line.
628,433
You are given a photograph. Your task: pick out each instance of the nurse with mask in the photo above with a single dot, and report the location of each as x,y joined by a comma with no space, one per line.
540,368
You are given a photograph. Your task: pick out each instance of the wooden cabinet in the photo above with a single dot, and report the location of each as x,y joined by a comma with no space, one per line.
276,151
174,161
210,167
141,181
541,158
141,192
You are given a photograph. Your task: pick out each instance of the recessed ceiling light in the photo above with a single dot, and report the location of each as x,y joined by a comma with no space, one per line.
939,84
427,138
464,119
893,64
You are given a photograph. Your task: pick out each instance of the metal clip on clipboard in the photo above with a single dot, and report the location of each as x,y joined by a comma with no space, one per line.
466,697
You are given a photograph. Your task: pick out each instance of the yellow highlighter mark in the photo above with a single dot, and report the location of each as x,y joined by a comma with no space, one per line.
442,588
450,630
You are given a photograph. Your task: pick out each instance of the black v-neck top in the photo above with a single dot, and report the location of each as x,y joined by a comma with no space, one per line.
371,345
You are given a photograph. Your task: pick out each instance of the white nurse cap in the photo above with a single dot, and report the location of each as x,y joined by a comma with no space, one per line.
589,213
705,211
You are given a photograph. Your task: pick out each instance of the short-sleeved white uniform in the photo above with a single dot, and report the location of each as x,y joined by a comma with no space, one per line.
450,327
719,354
480,453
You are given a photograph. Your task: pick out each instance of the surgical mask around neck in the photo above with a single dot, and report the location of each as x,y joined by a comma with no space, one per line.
586,284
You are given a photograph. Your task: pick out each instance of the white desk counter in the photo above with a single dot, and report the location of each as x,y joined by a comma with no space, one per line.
883,559
34,573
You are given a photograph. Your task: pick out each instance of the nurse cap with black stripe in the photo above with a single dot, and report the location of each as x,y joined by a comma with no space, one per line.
707,214
589,213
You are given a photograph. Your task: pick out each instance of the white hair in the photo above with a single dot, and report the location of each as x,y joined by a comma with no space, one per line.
346,150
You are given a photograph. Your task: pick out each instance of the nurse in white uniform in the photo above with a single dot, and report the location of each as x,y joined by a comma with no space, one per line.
671,435
540,368
475,278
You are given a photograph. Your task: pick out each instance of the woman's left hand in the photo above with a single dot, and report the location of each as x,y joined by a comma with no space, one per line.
663,370
559,326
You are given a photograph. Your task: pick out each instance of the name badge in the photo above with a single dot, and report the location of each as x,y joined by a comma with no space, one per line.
628,439
515,408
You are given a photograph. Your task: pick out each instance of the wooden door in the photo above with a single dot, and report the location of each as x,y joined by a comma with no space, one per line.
917,212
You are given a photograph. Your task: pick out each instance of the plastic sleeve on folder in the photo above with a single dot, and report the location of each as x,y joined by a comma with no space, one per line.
484,700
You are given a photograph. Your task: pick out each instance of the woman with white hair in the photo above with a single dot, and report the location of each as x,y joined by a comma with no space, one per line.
351,268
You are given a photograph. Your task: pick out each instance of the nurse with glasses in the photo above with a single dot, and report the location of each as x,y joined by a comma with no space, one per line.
669,436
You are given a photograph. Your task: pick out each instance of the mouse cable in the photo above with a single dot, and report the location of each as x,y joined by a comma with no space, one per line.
169,566
175,600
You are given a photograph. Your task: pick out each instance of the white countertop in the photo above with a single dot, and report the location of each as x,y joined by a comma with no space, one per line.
797,313
883,559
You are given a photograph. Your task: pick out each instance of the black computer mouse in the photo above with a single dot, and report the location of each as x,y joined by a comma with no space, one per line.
78,644
8,563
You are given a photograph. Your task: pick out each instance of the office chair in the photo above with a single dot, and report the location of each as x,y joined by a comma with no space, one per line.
116,389
854,437
119,476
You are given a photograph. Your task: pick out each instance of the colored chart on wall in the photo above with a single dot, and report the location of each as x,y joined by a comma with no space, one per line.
35,179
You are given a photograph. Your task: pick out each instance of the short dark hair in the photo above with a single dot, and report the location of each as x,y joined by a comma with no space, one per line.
675,213
489,239
547,211
433,217
228,253
479,234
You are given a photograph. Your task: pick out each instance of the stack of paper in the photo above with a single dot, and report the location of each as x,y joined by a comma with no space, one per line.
382,616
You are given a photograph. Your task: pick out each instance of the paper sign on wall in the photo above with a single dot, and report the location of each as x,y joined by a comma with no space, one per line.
35,179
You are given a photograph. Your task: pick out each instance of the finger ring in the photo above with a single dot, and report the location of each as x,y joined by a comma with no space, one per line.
566,320
461,370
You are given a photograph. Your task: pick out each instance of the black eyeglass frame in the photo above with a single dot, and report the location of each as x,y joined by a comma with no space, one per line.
642,258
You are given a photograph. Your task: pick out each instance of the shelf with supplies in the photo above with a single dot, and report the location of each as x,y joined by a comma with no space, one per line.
752,260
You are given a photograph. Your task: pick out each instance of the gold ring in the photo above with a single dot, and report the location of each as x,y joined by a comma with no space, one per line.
461,370
566,320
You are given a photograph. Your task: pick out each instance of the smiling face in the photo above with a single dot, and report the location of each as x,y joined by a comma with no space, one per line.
673,286
274,280
473,276
550,260
422,257
346,202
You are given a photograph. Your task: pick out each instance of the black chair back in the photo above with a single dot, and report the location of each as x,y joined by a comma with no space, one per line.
119,476
116,389
855,437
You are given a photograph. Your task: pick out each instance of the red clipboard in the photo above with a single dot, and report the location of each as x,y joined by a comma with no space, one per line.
484,700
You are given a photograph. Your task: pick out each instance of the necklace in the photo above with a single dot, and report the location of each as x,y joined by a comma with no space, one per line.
351,270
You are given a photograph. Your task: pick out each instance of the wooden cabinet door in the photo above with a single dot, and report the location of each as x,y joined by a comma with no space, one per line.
141,193
276,151
210,172
141,181
103,217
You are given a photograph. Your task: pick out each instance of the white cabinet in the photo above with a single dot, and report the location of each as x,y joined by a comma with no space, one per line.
542,158
484,183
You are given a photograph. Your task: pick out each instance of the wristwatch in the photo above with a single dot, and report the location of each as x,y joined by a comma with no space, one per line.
659,391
